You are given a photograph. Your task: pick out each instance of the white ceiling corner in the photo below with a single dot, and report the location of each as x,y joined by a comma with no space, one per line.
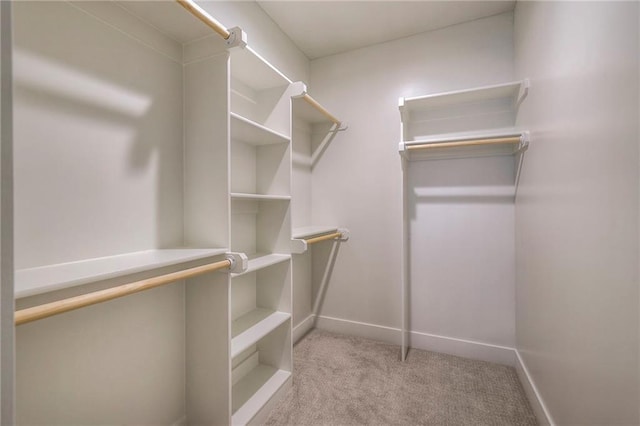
322,28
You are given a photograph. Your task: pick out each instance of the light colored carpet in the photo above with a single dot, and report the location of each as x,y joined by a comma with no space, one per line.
342,380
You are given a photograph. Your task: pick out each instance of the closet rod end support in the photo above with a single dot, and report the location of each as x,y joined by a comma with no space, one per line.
239,262
345,234
237,38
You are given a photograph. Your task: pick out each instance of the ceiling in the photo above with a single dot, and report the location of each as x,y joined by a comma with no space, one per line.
322,28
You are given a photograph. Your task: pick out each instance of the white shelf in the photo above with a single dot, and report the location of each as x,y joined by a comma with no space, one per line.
254,390
312,231
32,281
253,326
252,133
245,196
513,92
251,69
260,260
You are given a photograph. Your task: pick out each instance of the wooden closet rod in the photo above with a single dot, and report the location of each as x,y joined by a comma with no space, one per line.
60,306
320,108
207,19
324,237
470,142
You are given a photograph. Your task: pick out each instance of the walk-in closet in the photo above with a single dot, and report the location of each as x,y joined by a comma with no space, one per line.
319,213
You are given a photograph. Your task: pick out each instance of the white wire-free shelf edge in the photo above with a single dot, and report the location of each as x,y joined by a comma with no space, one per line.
312,231
43,279
515,91
249,67
255,390
253,326
250,132
259,261
246,196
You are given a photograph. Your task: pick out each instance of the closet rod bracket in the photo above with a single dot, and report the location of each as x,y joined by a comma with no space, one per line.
345,234
237,38
239,262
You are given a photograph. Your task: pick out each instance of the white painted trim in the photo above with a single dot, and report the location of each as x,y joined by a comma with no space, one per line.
463,348
530,389
362,329
429,342
303,328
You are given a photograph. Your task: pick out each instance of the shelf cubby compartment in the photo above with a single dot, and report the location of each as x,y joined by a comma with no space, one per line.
43,279
259,160
260,227
261,339
477,109
259,91
259,373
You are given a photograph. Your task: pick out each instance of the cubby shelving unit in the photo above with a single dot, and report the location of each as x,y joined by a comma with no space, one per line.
260,143
314,127
471,123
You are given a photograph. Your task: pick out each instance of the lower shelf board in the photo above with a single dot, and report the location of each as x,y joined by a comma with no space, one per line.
254,390
253,326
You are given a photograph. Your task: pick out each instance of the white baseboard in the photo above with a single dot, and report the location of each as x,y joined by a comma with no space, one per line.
463,348
361,329
429,342
303,328
536,401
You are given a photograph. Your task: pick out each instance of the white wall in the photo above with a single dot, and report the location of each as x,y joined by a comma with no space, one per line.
263,34
357,184
98,171
577,209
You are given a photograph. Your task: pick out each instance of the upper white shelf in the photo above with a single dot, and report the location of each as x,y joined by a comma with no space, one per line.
513,92
250,68
32,281
482,109
252,133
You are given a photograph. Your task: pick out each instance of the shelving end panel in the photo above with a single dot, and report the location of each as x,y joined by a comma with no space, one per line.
206,186
208,349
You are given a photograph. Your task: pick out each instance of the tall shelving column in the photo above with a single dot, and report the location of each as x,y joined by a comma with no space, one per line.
208,314
260,198
470,123
313,128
